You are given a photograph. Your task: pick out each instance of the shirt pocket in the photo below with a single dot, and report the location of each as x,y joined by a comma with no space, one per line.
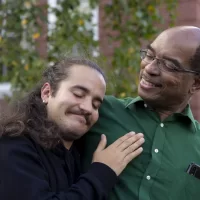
184,187
192,187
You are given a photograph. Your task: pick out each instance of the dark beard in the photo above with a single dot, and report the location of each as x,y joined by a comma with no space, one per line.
47,133
68,136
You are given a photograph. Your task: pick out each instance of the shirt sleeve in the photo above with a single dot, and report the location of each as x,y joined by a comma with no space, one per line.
23,176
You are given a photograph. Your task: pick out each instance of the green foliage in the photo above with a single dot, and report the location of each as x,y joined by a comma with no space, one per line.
19,32
73,32
133,22
20,29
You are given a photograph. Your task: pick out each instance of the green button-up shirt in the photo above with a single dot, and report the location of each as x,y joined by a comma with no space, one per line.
159,173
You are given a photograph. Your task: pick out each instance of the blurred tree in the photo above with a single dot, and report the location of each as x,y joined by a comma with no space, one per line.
128,23
22,27
20,31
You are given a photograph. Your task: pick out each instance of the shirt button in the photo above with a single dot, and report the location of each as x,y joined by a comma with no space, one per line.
162,125
156,150
145,105
148,177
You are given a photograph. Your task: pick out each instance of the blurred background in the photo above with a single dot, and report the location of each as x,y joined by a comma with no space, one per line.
37,33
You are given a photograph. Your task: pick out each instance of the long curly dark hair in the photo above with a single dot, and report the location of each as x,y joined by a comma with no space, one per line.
29,115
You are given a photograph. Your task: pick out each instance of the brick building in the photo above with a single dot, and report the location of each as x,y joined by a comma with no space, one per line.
188,13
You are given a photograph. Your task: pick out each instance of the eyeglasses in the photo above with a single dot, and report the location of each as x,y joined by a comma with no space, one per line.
163,64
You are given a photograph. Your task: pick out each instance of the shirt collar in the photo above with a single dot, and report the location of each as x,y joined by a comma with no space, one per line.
186,112
129,104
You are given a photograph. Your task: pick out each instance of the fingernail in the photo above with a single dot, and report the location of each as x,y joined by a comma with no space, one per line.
142,140
132,133
141,149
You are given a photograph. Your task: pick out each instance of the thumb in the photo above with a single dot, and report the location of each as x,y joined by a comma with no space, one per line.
102,144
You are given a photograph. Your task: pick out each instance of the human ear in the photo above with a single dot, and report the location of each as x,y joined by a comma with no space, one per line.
196,85
45,92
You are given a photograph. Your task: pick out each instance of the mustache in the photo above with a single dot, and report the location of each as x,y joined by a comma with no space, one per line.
151,79
145,76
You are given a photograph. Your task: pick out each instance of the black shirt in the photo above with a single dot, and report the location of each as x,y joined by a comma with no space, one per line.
30,172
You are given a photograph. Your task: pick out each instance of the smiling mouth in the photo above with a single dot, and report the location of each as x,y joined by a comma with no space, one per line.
148,84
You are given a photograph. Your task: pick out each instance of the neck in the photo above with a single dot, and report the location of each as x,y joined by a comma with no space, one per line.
67,144
166,112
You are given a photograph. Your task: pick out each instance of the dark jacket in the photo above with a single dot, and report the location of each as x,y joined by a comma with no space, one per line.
29,172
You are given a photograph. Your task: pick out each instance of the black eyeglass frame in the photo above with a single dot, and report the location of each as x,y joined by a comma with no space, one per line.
179,68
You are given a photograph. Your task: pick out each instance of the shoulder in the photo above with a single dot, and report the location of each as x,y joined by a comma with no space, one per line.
112,102
16,147
113,106
8,142
111,110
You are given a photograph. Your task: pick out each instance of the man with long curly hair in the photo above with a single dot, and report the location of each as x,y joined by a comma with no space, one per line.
39,159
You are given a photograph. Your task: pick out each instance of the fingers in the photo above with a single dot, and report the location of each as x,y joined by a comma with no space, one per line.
102,144
129,141
134,146
123,138
132,155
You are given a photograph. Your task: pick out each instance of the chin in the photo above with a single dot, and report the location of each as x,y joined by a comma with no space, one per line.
78,131
73,132
142,93
147,95
71,136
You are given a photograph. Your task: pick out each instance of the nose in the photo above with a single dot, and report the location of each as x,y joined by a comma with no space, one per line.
152,68
86,107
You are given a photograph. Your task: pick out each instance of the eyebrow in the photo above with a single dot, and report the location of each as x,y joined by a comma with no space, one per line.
176,62
86,90
151,48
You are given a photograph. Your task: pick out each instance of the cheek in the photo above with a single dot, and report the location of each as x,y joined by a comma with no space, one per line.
141,72
172,81
67,101
60,106
94,117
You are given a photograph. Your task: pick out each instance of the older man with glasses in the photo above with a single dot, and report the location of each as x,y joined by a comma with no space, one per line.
168,168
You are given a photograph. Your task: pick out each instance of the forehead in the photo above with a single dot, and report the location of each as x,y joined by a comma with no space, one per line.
86,77
180,45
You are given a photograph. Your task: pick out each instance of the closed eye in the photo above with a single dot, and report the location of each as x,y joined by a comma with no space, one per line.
150,57
171,66
78,95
